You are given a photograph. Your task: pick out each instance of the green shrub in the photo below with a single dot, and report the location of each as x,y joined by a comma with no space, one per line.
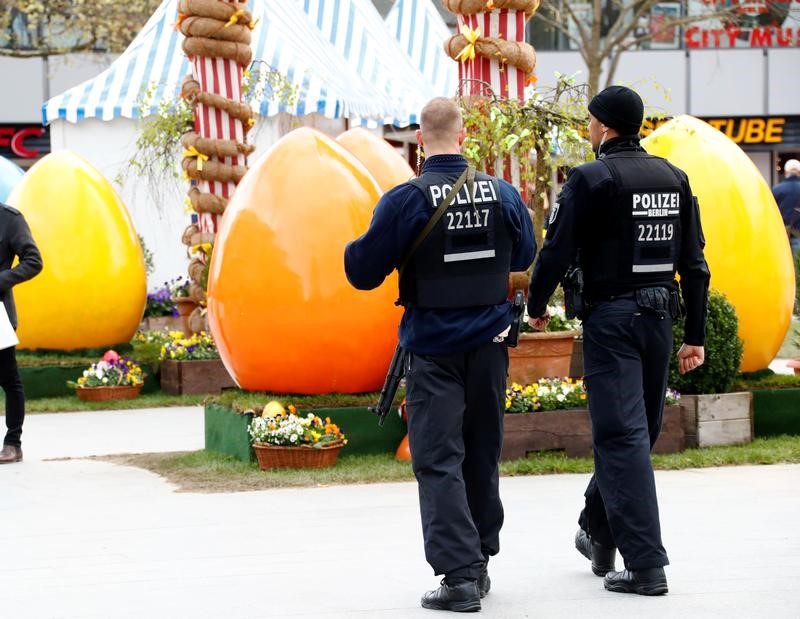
723,351
796,257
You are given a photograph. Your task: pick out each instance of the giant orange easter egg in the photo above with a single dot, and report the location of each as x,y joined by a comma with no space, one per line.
746,246
378,156
92,290
280,308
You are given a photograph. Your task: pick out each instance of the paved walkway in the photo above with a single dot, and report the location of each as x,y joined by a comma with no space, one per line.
87,539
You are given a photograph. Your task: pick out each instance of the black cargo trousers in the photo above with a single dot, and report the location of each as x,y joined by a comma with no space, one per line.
626,361
455,408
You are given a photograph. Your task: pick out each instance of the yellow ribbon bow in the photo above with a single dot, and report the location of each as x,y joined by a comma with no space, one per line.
203,247
234,18
193,152
468,53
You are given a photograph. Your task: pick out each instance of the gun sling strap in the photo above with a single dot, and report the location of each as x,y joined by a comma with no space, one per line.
467,177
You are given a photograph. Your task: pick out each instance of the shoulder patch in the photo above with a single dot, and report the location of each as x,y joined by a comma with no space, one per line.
553,212
11,209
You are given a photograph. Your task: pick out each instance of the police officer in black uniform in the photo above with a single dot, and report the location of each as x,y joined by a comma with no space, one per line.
15,242
631,222
454,290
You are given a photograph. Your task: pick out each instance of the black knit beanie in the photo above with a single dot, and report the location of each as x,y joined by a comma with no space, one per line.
620,108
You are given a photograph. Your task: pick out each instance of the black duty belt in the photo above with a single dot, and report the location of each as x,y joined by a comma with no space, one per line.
612,297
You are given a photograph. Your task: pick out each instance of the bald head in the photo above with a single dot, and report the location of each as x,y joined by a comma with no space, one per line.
792,168
441,127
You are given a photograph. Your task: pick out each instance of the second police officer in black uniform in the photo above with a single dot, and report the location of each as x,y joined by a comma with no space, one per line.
454,289
632,221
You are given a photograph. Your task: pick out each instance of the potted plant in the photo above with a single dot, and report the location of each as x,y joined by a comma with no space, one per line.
112,378
191,365
551,414
543,354
712,415
283,438
160,311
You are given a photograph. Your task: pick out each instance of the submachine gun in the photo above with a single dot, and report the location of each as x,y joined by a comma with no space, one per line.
397,371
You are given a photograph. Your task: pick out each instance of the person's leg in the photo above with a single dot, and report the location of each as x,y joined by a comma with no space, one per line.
15,396
483,441
435,405
621,438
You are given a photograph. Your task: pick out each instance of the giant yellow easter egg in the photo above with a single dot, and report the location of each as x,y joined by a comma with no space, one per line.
92,290
378,156
746,246
280,308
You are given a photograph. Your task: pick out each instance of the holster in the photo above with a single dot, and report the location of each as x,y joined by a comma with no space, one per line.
575,305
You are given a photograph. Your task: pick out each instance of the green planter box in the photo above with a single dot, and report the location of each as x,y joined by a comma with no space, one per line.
226,431
776,412
50,381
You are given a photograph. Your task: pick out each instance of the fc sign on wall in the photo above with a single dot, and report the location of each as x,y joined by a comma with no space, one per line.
24,141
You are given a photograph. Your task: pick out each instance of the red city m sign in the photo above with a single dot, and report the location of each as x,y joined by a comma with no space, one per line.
750,23
24,141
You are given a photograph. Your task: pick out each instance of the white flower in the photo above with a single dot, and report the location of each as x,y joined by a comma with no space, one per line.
293,438
105,380
99,373
86,373
560,397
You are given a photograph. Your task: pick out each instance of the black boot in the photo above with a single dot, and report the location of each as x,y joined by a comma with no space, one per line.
602,558
459,595
651,581
484,582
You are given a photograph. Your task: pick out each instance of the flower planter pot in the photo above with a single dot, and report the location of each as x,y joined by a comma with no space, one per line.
718,419
162,323
102,394
570,431
301,457
194,377
185,308
541,355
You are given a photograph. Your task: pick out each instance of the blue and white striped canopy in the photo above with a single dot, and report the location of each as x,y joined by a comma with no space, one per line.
284,38
358,33
421,32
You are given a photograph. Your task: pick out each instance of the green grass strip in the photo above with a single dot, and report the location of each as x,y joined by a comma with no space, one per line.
71,403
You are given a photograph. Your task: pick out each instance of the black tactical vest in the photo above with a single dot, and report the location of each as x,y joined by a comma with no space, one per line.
633,240
465,260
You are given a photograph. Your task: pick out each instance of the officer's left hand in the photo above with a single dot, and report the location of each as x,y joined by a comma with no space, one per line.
690,357
540,323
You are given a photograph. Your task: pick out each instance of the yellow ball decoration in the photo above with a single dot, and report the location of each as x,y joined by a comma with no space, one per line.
93,288
746,246
273,409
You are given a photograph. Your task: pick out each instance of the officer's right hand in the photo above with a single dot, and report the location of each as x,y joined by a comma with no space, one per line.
690,357
540,323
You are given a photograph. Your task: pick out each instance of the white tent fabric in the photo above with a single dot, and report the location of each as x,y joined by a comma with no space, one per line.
284,38
421,32
358,33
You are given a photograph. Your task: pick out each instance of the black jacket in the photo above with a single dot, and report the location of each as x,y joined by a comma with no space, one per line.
15,242
570,223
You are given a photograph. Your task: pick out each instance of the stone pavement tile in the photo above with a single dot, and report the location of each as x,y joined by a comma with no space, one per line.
95,540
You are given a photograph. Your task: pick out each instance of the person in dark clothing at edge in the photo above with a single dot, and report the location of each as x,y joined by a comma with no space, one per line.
15,242
454,291
787,195
630,220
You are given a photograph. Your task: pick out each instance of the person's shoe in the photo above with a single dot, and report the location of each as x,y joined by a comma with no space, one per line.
459,595
602,558
651,581
10,453
484,582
